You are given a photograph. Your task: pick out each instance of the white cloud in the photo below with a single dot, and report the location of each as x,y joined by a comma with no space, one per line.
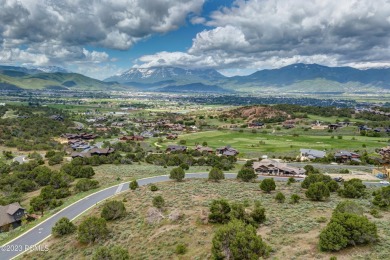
268,33
55,31
22,56
112,24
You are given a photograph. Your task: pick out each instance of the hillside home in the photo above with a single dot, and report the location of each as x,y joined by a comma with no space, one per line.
176,148
204,149
311,154
132,138
346,156
256,125
172,136
227,151
11,216
275,168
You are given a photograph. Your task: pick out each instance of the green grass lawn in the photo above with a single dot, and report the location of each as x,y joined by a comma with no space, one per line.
280,143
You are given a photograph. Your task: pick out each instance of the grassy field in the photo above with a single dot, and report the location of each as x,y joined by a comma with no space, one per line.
278,143
291,229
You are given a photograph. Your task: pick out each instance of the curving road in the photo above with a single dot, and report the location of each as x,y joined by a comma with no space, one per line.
42,231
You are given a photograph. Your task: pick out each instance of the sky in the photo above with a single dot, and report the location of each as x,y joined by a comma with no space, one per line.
100,38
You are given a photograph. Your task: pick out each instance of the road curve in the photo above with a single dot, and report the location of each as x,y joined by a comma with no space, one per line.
30,239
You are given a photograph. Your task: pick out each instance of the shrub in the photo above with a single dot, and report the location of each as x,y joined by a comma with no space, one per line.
63,227
246,174
333,237
184,166
317,191
310,169
258,213
349,206
238,211
382,197
113,210
113,253
158,202
181,249
313,178
86,184
291,180
280,197
268,185
346,229
219,211
333,186
134,185
236,240
353,188
294,199
216,174
177,174
375,213
153,188
92,229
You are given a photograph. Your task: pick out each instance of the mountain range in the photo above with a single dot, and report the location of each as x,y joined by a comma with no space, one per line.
292,78
53,78
296,77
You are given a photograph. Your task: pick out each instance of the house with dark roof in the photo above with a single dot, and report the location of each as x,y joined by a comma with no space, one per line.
132,138
227,151
204,149
346,156
101,151
11,216
276,168
172,136
176,148
311,154
334,126
256,125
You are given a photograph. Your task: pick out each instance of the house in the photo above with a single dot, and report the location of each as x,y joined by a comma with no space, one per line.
204,149
132,138
346,156
172,136
57,118
334,126
385,152
276,168
101,151
364,128
146,134
310,154
80,155
176,148
256,124
11,215
226,150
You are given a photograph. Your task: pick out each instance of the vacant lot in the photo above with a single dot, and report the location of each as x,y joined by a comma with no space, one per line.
291,230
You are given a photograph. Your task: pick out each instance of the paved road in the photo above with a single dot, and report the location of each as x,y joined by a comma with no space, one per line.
42,231
333,166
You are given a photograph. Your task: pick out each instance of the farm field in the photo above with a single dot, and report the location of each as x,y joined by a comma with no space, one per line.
291,230
253,145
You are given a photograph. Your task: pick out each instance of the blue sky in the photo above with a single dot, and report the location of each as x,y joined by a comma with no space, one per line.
100,38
